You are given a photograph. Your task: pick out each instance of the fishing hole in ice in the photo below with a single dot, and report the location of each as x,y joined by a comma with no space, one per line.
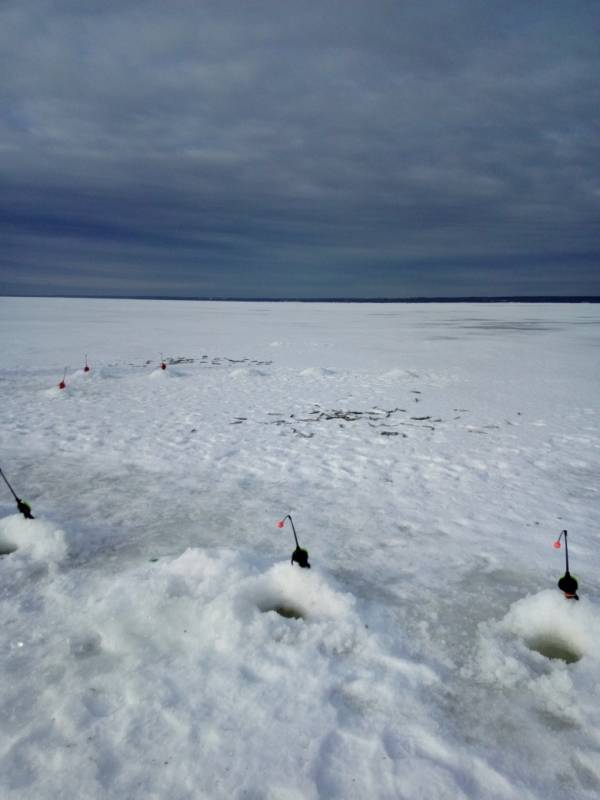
275,592
544,627
284,610
6,548
269,596
553,647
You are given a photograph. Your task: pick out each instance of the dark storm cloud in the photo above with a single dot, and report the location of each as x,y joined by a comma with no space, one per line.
304,149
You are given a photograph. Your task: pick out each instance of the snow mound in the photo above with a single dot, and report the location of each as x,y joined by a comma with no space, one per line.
80,375
293,593
35,539
429,377
54,391
159,374
548,619
545,653
112,372
308,591
247,372
317,372
224,608
240,597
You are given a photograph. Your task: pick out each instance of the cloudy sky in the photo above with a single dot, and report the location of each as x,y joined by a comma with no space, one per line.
300,149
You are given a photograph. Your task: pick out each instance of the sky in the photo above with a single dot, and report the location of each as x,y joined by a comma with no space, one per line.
299,149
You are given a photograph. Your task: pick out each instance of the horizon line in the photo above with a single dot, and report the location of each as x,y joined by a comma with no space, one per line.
327,299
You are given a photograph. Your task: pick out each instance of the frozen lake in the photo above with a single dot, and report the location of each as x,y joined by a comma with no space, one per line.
429,455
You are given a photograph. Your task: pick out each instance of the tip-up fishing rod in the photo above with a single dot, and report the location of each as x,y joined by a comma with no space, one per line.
300,556
567,584
23,507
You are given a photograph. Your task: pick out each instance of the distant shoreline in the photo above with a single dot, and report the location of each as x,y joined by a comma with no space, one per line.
466,299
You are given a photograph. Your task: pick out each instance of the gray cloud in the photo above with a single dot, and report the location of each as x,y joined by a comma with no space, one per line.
338,148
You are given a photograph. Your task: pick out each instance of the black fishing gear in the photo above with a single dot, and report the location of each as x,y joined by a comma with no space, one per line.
567,584
23,507
300,556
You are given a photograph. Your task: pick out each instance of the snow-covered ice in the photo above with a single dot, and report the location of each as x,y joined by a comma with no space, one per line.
156,642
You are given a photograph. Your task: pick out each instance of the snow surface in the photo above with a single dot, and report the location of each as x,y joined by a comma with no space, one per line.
157,643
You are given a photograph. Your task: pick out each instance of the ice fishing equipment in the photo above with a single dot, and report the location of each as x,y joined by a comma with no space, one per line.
300,556
567,584
23,507
162,362
63,384
86,368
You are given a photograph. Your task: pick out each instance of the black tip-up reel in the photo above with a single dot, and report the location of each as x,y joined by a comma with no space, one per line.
23,507
300,555
567,584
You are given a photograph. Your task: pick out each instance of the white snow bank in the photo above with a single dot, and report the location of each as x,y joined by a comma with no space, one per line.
36,539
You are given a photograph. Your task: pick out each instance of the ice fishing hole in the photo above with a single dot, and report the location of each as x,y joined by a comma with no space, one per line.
287,611
555,649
